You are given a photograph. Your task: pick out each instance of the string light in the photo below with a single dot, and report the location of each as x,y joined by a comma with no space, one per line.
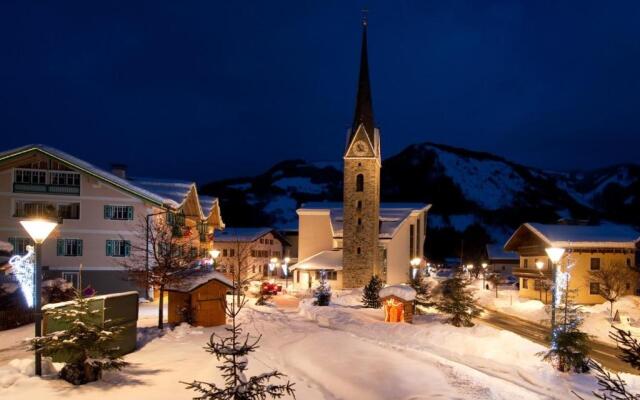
23,268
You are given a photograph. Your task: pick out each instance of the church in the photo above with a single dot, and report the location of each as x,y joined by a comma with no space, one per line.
360,237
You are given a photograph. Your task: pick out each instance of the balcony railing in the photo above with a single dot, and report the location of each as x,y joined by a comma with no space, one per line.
28,180
532,272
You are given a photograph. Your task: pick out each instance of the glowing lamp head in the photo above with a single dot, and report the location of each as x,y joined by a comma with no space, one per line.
287,260
539,264
214,253
415,262
554,253
469,266
38,229
484,265
273,260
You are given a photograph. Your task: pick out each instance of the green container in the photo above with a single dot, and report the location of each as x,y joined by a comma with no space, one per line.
117,309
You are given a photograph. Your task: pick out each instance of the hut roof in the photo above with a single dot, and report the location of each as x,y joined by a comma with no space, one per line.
404,292
194,279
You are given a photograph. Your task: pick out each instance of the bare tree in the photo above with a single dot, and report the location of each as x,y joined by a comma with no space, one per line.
239,267
613,279
170,254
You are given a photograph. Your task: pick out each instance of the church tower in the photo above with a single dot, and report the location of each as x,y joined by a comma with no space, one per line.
361,197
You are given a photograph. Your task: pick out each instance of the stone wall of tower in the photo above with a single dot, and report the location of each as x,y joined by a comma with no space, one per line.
359,266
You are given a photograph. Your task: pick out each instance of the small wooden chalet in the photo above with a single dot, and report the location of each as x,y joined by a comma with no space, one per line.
199,298
397,302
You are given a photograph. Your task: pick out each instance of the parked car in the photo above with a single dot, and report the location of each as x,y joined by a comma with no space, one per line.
510,280
444,273
270,288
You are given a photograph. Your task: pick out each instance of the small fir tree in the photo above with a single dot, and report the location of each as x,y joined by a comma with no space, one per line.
233,351
370,296
423,290
457,302
322,293
89,347
569,345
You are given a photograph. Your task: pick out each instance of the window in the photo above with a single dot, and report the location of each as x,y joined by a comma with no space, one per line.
224,252
359,205
525,283
118,248
275,254
69,247
174,219
359,221
61,178
525,263
232,252
330,275
537,284
594,288
69,211
30,176
360,183
629,262
20,245
358,250
418,251
121,213
72,278
412,239
595,264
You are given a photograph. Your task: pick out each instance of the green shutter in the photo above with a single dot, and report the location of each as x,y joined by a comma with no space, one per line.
130,212
60,247
79,247
108,212
109,247
127,248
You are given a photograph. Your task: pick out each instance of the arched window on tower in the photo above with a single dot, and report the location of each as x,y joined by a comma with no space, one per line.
360,183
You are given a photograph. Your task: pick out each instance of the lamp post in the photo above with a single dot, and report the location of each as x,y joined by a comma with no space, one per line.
39,230
272,265
555,254
469,269
214,253
415,263
484,274
540,265
285,271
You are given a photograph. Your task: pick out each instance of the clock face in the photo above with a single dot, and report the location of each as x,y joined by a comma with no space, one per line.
360,148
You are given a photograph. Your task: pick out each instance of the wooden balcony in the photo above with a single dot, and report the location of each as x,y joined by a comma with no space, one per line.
532,273
46,189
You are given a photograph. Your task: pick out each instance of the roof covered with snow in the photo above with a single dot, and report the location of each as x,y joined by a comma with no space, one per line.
241,234
324,260
497,252
208,204
404,292
392,215
162,192
194,279
603,236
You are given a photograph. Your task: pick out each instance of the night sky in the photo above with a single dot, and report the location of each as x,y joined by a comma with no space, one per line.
206,90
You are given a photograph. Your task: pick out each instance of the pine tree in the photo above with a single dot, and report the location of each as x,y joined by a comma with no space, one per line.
423,290
322,293
458,302
569,346
233,350
370,296
89,347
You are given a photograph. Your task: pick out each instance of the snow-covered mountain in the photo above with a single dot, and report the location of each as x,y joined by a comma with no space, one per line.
473,193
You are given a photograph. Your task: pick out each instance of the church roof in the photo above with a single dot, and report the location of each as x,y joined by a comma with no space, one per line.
392,215
364,104
324,260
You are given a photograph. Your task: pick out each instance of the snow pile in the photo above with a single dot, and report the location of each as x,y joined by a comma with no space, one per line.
18,369
404,292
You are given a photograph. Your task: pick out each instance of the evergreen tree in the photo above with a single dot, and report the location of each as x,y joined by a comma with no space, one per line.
233,350
569,346
322,293
423,290
89,347
370,296
458,302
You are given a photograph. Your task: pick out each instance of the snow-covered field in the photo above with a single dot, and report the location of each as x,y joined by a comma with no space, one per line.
336,352
597,321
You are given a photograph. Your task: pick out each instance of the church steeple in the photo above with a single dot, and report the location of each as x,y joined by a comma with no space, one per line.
364,105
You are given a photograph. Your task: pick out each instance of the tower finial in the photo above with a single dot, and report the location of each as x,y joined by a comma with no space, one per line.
365,13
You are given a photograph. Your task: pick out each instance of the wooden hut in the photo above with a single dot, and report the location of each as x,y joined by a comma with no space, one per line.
397,302
199,298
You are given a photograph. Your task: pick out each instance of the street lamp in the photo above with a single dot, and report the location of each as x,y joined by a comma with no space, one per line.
272,265
484,274
415,263
540,265
214,253
469,269
39,230
285,271
555,254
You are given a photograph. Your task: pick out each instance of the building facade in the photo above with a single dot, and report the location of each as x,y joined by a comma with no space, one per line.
587,248
100,213
252,249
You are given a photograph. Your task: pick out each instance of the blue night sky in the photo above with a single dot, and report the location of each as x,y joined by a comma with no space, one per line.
206,90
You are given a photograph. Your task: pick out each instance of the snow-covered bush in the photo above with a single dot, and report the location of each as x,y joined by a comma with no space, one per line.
88,347
322,294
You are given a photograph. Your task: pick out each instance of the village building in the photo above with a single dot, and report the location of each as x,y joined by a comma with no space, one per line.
100,213
587,248
361,236
253,249
500,261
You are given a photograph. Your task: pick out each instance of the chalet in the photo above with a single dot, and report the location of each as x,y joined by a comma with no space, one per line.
587,248
100,213
500,261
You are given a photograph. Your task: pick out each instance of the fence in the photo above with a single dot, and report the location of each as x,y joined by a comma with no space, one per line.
10,319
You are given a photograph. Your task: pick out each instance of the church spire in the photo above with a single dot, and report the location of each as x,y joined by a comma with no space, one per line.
364,104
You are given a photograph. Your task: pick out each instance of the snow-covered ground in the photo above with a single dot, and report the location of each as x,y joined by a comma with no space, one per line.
337,352
597,321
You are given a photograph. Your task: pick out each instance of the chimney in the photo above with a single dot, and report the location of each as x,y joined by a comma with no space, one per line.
119,170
